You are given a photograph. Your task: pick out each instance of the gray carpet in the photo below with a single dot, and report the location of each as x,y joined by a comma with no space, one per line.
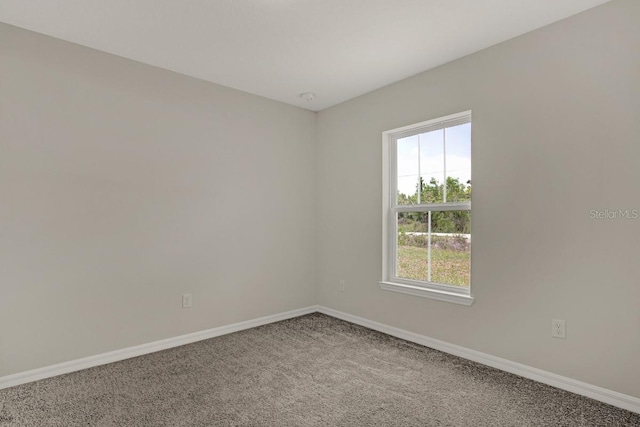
310,371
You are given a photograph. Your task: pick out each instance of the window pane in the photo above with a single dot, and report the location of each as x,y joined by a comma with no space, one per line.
442,256
412,254
407,169
432,166
451,248
458,162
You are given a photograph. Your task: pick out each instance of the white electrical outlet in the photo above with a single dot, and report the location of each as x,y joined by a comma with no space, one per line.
186,300
558,328
341,285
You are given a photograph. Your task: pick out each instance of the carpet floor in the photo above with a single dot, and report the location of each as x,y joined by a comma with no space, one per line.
313,370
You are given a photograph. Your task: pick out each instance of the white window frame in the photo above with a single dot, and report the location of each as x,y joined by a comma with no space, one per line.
390,208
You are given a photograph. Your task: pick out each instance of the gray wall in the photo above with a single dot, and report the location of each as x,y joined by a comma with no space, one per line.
123,186
556,133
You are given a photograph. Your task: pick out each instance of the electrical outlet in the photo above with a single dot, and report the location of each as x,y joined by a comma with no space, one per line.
558,328
341,285
186,301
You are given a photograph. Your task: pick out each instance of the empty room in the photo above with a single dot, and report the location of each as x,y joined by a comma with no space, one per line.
319,213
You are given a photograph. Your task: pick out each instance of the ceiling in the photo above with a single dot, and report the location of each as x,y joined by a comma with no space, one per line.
278,49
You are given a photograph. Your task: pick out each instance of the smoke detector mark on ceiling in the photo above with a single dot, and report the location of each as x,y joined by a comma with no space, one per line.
308,96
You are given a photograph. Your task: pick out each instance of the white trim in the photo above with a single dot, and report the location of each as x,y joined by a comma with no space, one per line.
139,350
610,397
387,252
420,291
443,121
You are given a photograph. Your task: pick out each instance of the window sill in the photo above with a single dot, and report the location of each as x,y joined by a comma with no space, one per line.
428,293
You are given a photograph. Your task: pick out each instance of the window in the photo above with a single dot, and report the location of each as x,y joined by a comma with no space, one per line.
427,209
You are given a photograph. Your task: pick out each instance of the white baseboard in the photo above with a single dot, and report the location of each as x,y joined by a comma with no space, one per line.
139,350
614,398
